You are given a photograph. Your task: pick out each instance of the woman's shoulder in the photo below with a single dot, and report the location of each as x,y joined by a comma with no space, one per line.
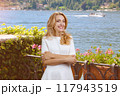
44,37
48,37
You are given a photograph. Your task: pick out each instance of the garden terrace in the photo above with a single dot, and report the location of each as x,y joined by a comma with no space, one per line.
91,71
15,63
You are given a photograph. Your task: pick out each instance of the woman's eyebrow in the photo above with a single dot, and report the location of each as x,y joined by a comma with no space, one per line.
60,19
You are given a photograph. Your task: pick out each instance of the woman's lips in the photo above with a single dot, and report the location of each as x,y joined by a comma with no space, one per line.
60,27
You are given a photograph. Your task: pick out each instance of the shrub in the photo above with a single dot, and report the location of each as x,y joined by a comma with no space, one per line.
13,61
96,55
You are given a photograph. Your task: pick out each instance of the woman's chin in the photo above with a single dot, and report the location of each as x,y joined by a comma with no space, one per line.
61,30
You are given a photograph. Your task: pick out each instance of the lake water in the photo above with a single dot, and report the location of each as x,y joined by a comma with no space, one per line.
86,31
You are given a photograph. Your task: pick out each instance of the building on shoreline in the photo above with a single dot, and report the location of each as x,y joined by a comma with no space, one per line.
11,8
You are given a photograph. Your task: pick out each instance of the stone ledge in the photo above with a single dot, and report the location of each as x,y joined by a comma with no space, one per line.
6,37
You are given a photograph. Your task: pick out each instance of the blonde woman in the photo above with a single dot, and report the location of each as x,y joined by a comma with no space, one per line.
58,49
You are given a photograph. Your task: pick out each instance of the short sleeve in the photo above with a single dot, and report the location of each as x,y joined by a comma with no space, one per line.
44,45
72,48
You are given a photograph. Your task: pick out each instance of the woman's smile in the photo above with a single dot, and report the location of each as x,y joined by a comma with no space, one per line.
60,27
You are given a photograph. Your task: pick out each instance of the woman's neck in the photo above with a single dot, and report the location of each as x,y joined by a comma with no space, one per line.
59,34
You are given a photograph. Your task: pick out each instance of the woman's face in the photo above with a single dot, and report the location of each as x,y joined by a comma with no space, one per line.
60,23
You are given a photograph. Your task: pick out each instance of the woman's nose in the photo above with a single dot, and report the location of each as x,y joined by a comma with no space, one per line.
61,23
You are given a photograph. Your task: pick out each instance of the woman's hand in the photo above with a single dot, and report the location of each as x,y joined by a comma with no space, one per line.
71,59
47,55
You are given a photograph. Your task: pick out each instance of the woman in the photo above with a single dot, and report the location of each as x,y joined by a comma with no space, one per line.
58,49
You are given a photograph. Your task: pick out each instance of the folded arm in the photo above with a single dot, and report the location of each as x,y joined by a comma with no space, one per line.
55,59
49,58
48,55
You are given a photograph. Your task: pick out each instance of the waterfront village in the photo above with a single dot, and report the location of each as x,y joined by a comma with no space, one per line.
39,6
24,6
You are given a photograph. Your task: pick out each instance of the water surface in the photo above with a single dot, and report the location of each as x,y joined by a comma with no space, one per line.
86,31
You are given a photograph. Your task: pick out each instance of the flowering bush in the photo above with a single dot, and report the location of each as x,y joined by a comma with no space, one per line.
14,64
21,30
96,55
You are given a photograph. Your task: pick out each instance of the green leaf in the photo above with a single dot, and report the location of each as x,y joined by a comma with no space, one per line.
110,44
2,47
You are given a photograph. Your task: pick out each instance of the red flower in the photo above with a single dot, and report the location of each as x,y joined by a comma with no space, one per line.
77,49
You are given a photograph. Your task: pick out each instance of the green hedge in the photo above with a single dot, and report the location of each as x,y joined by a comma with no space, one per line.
14,65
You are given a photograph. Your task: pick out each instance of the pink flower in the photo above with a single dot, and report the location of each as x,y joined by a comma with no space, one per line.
34,46
98,49
86,53
112,52
104,58
77,49
39,47
109,51
96,52
93,60
81,54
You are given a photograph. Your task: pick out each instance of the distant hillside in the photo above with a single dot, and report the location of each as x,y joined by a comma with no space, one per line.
63,4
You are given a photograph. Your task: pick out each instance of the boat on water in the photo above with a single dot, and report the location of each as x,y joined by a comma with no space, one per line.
96,15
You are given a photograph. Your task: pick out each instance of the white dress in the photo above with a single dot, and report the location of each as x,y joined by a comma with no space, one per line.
61,71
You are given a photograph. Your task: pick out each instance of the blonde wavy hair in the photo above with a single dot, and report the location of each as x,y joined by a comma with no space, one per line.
65,37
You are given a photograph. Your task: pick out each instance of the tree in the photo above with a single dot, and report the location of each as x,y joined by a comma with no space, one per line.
68,4
76,6
34,6
83,5
95,8
117,5
112,5
44,2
